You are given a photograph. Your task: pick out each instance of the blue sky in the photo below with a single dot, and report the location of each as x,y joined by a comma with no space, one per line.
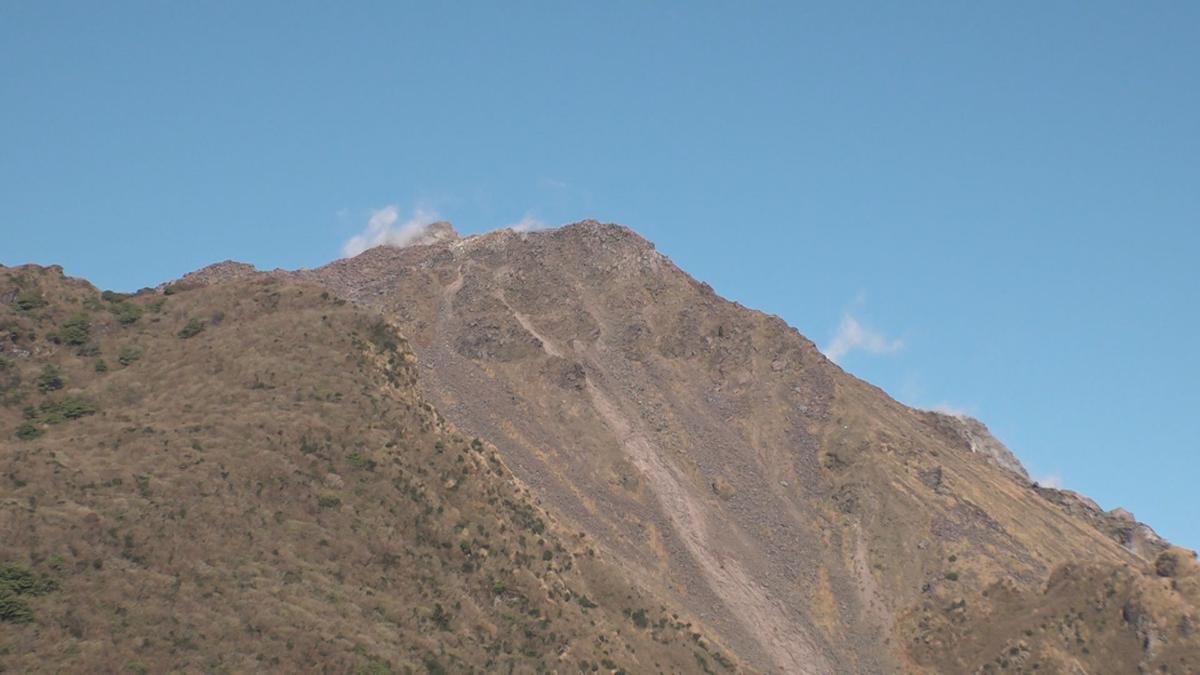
1000,202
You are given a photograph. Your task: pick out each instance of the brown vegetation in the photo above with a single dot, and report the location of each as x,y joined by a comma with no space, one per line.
273,493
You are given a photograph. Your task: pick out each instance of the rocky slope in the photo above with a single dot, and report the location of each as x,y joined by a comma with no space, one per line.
1086,618
715,451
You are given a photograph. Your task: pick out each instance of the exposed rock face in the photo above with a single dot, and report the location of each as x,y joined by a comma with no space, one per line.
1118,523
809,521
439,231
980,439
792,507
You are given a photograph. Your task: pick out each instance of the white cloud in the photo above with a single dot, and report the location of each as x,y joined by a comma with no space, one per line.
853,336
526,223
382,229
1050,480
552,184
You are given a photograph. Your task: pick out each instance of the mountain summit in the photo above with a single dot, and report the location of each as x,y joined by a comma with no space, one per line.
701,461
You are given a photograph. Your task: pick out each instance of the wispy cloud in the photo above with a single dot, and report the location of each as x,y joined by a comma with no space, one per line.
552,184
383,229
526,223
853,336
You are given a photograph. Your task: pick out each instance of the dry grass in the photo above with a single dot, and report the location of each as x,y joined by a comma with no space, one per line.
272,493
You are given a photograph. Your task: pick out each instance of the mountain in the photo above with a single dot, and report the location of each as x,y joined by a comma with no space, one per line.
724,495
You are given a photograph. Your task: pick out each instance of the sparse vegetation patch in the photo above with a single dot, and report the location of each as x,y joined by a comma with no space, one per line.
76,330
17,584
193,328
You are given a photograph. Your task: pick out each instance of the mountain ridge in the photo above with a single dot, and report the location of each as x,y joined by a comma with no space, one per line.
709,452
590,324
973,431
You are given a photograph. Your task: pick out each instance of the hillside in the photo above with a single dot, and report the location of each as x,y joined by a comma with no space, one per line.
549,451
714,449
245,477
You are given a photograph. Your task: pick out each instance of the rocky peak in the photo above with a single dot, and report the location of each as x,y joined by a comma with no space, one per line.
595,234
226,270
436,232
980,440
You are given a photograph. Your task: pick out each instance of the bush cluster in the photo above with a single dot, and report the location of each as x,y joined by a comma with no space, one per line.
193,328
50,379
128,354
15,584
29,300
53,412
76,330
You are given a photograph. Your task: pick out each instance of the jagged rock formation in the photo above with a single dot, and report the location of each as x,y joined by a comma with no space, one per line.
977,437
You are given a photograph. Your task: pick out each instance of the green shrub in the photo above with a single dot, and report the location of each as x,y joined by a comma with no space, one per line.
10,378
30,300
126,312
374,665
382,336
434,666
128,354
50,379
143,485
21,581
27,431
90,349
441,617
329,501
951,576
69,408
358,461
115,297
16,582
101,366
193,328
76,330
14,609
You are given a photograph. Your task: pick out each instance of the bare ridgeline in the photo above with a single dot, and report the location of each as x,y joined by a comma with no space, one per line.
549,450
